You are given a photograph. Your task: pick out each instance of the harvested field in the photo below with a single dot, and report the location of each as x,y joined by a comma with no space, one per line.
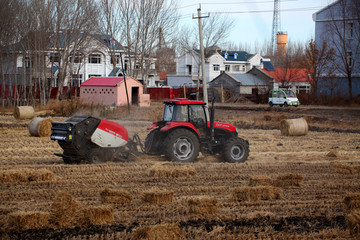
311,195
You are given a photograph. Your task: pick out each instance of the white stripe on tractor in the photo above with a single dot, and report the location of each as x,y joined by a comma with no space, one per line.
106,139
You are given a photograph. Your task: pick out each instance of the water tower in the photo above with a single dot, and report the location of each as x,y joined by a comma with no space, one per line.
281,41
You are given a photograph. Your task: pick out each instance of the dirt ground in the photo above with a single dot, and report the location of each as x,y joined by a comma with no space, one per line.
326,163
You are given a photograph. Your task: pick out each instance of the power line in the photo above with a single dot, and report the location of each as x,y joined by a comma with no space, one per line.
266,11
224,3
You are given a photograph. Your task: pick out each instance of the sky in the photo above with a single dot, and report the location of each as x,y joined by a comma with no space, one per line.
253,18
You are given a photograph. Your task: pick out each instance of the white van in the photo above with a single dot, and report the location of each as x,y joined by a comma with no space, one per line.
283,97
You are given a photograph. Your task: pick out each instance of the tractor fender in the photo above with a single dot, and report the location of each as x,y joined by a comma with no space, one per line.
153,125
175,125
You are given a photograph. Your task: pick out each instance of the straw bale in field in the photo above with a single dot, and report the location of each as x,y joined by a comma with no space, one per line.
256,193
19,221
333,154
294,127
260,181
64,210
24,112
159,232
289,180
157,196
171,171
343,168
259,214
40,127
116,196
202,206
97,215
353,221
26,175
352,201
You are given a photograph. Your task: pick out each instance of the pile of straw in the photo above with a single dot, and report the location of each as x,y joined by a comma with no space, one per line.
343,168
159,232
24,175
256,193
203,206
40,127
171,172
289,180
97,215
260,181
353,221
294,127
157,196
116,196
24,112
20,221
333,154
65,211
352,201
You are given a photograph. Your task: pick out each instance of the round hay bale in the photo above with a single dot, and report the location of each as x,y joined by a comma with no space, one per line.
24,112
294,127
40,127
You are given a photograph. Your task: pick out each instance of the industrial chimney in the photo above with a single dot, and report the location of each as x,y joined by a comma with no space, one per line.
281,40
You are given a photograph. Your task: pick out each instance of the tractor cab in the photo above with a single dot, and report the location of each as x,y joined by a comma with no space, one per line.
181,111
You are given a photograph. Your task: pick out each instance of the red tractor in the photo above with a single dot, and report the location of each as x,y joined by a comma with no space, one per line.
184,131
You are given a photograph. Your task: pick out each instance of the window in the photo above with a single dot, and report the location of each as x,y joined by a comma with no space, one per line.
216,67
94,75
235,56
189,69
351,30
54,58
116,57
76,59
243,68
227,68
196,112
95,58
137,66
27,62
226,56
349,58
76,80
236,68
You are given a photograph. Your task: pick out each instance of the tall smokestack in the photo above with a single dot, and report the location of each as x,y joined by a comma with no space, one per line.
281,40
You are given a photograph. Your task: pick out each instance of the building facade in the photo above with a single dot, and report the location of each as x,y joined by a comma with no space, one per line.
95,56
338,26
216,61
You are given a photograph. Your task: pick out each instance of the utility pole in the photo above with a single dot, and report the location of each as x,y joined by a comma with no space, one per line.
205,93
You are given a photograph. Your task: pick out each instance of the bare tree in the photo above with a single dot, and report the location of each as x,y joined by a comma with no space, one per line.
73,24
319,63
343,34
141,21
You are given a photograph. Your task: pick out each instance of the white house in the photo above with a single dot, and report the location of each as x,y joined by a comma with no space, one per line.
93,58
216,61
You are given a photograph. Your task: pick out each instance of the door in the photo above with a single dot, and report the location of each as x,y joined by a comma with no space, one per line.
198,119
134,95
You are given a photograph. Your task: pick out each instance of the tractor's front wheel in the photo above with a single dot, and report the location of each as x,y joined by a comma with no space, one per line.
236,150
182,146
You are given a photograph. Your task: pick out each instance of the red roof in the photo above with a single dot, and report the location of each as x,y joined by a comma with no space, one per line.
183,101
103,81
289,74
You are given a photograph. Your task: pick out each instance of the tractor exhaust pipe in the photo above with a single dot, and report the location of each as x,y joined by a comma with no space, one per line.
212,120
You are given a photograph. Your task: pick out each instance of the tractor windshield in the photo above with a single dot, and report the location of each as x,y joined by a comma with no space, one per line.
175,113
168,112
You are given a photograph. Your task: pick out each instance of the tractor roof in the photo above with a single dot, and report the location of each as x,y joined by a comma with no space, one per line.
184,101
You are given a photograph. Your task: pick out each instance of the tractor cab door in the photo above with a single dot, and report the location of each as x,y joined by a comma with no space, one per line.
198,118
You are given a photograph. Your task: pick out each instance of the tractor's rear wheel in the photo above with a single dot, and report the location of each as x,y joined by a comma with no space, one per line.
236,150
182,146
